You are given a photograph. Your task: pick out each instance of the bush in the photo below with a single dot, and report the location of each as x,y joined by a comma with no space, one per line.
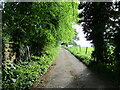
22,75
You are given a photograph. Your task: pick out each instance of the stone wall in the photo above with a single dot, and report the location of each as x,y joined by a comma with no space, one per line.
9,54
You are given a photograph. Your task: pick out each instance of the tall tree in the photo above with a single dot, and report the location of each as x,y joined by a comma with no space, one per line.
95,16
38,25
101,22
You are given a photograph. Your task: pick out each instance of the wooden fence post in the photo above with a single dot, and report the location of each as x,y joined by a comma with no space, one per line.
86,50
80,48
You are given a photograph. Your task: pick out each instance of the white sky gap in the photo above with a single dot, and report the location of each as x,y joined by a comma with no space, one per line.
82,40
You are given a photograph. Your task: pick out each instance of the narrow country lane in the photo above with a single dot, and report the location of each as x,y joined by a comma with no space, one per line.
68,72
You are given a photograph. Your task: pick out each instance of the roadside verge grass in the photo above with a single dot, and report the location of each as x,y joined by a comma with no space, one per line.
82,53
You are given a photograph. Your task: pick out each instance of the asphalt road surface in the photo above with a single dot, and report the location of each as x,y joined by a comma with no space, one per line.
68,72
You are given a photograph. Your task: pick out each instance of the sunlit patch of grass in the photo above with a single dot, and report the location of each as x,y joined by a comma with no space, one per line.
82,53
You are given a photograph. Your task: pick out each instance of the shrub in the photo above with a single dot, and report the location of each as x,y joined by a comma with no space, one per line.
22,75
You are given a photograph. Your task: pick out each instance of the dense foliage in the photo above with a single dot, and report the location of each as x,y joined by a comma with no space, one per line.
23,75
39,26
35,29
101,24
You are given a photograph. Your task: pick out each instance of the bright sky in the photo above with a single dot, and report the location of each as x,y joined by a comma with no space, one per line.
82,40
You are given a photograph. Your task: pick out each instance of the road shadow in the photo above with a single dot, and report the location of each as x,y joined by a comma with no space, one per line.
89,79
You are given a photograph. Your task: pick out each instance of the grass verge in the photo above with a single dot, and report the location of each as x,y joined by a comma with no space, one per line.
81,53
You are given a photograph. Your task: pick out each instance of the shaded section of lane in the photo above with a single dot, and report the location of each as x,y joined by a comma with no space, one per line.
69,72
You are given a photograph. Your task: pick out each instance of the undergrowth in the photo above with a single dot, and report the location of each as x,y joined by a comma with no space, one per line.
23,75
